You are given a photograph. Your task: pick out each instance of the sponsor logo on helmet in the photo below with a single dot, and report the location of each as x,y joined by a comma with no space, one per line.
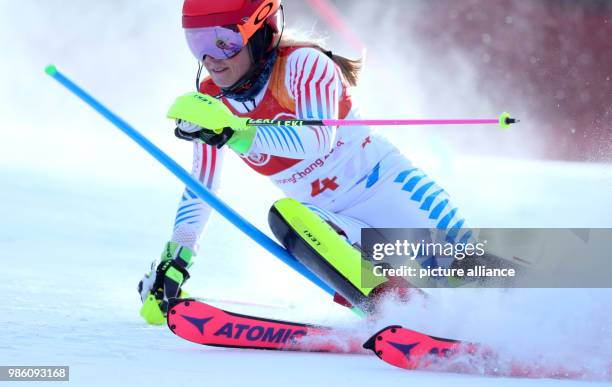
264,13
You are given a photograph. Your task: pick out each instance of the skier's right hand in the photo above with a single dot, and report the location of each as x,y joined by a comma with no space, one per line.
164,281
200,117
189,131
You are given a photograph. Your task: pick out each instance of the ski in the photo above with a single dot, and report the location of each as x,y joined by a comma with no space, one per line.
405,348
205,324
408,349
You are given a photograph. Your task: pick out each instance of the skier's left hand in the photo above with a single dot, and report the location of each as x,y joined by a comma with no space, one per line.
164,282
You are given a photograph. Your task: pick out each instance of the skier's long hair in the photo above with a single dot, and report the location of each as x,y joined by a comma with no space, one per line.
350,67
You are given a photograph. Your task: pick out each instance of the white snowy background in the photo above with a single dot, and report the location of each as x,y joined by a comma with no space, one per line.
83,211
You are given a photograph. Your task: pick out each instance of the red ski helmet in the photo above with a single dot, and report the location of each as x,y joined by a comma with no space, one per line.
221,28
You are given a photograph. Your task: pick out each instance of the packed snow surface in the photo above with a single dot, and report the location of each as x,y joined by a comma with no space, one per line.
74,247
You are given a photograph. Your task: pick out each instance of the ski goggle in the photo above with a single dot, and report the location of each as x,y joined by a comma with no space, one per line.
224,42
217,42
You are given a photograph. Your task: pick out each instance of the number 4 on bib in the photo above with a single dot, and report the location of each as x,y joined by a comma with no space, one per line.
319,186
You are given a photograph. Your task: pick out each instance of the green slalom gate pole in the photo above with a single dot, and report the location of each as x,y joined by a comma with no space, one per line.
203,193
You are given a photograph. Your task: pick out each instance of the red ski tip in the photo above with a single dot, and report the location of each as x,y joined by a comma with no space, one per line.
405,348
371,343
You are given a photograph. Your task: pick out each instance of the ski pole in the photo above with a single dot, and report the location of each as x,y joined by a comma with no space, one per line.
504,121
203,193
210,112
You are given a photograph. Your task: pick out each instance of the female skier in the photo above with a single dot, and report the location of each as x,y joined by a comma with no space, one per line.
349,176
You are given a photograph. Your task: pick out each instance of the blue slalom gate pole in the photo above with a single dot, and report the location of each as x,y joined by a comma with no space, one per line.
203,193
